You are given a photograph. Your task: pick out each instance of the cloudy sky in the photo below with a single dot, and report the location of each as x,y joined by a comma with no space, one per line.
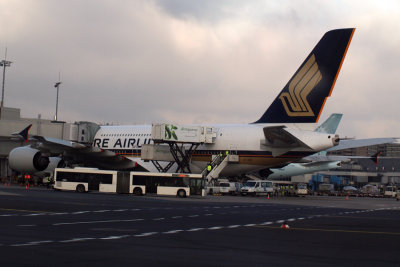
135,62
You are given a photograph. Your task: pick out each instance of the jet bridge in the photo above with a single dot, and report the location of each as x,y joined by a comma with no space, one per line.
182,141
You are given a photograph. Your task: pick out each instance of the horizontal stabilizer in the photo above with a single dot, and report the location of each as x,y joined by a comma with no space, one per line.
281,141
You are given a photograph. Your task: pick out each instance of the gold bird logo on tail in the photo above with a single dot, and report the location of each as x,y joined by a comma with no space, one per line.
295,101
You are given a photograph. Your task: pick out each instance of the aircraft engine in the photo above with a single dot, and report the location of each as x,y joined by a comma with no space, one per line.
55,162
27,159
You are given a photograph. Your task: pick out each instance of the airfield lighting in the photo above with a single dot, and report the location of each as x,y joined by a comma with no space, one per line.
4,63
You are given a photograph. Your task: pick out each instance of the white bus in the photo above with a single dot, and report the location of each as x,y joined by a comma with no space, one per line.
172,184
85,179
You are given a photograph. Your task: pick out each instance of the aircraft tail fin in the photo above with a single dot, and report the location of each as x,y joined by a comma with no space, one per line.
375,157
330,125
24,134
304,96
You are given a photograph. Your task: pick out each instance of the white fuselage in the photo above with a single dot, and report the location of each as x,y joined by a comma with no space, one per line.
244,140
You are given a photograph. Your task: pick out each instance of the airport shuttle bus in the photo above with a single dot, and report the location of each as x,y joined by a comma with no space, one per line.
171,184
85,179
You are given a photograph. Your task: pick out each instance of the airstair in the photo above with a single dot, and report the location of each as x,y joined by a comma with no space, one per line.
218,164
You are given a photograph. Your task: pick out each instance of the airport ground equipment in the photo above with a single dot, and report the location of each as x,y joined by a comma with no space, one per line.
218,163
182,141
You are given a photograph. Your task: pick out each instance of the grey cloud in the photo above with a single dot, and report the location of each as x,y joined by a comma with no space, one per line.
143,62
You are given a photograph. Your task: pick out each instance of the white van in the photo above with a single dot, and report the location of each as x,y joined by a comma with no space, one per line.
390,191
229,188
254,188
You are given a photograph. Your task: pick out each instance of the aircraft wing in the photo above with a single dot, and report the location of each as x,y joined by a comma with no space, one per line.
55,146
354,143
77,152
74,152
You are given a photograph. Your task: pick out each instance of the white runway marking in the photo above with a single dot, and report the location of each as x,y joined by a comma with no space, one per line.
215,228
172,232
89,222
80,212
195,229
234,226
114,237
146,234
77,239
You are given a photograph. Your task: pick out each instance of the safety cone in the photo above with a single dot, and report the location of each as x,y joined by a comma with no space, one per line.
347,197
267,196
284,225
26,187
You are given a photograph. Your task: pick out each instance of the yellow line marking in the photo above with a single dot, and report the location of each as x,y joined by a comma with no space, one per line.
330,230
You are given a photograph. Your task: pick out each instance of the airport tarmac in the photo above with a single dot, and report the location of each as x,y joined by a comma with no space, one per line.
42,227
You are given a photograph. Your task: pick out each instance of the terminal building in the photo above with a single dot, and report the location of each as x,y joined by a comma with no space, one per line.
11,122
359,169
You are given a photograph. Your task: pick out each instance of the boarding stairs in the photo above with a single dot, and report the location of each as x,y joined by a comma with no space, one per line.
218,164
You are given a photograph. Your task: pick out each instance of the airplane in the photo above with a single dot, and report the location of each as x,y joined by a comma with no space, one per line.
280,136
315,163
323,162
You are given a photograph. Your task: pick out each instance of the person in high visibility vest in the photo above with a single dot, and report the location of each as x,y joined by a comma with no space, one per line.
48,182
226,153
209,167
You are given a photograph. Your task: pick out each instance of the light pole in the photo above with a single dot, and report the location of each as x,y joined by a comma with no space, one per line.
4,63
57,85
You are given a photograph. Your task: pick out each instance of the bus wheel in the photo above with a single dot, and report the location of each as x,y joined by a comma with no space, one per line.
137,191
80,188
181,193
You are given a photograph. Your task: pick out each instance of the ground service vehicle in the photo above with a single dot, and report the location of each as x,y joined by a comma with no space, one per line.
85,179
370,190
301,190
390,191
254,188
326,189
229,188
172,184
